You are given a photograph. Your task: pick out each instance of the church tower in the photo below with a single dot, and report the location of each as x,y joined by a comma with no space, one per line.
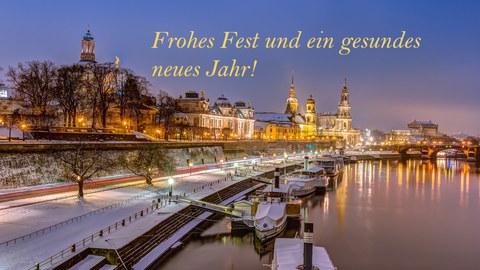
292,102
88,48
344,119
310,111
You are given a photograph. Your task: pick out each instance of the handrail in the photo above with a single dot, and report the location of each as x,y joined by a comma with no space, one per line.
108,230
49,228
161,202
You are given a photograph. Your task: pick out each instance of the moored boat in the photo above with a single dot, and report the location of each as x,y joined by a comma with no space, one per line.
295,253
270,220
307,180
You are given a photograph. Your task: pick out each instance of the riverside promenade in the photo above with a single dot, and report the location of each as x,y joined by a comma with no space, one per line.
45,231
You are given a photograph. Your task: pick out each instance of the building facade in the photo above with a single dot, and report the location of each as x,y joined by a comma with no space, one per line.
223,120
339,125
290,125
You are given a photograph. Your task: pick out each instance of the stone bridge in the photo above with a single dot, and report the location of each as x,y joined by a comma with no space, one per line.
431,150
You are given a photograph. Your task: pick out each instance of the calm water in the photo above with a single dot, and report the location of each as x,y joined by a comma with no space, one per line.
384,215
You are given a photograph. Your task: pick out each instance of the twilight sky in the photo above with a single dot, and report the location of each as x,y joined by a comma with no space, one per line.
388,87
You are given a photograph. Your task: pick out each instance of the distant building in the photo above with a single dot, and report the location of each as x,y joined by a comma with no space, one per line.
4,93
396,136
424,127
339,125
223,120
290,125
419,131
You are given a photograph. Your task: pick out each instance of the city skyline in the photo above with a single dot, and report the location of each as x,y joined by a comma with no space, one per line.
435,82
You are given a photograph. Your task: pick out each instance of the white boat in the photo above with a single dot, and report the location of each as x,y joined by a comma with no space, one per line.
307,180
272,209
270,220
288,255
296,253
333,165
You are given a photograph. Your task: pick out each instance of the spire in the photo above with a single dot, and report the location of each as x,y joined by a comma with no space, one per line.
292,79
345,87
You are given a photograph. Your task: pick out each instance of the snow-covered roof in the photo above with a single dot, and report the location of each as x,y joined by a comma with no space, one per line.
289,255
426,123
278,117
269,214
270,116
282,189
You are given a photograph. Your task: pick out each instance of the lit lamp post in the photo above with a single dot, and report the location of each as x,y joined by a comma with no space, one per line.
285,156
261,159
221,164
23,132
170,183
190,167
236,168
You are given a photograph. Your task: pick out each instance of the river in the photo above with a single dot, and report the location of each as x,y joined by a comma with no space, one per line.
387,214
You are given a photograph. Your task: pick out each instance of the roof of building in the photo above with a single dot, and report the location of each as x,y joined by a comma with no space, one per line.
278,117
222,101
88,36
424,123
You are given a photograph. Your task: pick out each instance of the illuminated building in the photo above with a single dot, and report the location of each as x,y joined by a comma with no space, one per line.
339,125
290,125
223,120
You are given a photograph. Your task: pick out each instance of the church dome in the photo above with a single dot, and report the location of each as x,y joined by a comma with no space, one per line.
292,100
88,36
310,99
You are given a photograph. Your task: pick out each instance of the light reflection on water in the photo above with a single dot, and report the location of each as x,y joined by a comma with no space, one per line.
409,214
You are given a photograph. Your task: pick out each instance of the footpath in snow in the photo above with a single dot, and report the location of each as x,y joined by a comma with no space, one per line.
118,203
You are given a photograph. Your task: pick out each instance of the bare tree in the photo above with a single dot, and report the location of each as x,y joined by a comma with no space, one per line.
11,121
80,165
132,97
34,83
69,92
102,82
139,100
167,107
149,162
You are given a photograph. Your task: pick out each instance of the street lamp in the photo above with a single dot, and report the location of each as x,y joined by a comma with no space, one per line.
170,183
190,166
221,164
261,159
236,167
23,132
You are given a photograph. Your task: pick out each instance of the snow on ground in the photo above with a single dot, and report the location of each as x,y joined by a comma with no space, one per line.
19,221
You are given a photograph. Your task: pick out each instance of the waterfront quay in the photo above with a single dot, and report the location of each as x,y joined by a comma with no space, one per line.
117,225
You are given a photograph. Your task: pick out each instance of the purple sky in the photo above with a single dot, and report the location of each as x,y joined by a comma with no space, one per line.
389,88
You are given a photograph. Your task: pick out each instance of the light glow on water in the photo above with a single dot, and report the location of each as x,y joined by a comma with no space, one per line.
384,215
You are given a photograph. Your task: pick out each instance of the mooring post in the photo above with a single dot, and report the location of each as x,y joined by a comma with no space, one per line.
308,246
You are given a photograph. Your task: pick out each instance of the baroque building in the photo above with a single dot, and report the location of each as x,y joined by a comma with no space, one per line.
290,125
222,120
339,125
